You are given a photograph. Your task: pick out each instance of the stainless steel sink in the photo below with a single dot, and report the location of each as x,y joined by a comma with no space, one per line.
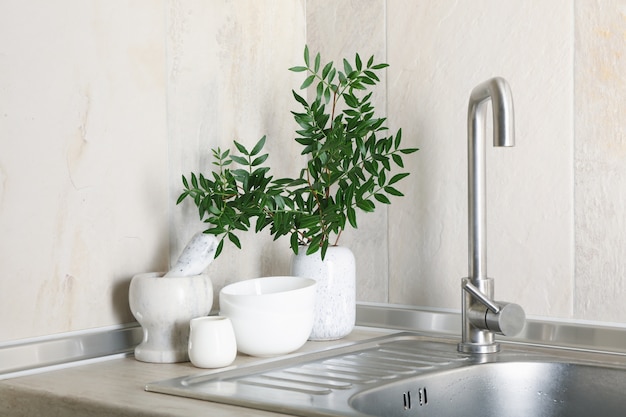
408,374
538,389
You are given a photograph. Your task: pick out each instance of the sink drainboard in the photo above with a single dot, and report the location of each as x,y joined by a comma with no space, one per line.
320,383
348,370
411,375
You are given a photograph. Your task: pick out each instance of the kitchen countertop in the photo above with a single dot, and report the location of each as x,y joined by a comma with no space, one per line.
116,388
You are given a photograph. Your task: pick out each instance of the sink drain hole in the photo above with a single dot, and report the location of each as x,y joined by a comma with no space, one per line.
422,398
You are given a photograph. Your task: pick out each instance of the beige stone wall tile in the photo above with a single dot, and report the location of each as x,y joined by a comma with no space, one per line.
600,109
438,51
83,161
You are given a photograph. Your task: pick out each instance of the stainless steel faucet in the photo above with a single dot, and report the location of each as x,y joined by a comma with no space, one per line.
482,316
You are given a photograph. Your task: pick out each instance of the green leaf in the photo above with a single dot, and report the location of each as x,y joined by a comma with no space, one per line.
239,159
393,191
261,159
398,160
370,61
386,163
331,77
241,148
382,178
299,201
326,70
352,113
308,221
349,193
357,61
261,222
324,249
298,69
351,100
320,90
299,99
368,186
181,198
365,205
214,210
327,95
316,67
314,245
306,55
382,198
259,145
296,182
369,167
280,202
220,246
359,173
307,82
360,145
234,239
407,151
293,242
371,75
342,79
351,216
347,67
396,143
398,177
380,66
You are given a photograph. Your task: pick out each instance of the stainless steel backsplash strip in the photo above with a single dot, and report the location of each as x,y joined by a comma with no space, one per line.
564,333
420,319
29,355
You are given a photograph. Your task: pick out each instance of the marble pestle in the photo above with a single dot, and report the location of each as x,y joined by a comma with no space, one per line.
196,257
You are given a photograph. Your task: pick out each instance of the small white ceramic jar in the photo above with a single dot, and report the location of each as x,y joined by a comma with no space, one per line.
212,342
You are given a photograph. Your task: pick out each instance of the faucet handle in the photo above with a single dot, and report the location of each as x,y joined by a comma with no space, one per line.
480,296
508,322
507,319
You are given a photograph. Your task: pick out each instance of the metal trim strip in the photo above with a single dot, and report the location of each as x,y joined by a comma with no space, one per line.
21,356
36,354
562,333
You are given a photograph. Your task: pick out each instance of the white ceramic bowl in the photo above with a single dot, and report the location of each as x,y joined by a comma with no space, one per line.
271,316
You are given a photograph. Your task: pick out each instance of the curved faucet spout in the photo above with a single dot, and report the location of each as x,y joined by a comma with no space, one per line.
498,90
482,316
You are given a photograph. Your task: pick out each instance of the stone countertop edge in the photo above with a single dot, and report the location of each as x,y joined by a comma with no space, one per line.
116,387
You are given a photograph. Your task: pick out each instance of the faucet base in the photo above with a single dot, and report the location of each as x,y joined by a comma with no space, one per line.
464,347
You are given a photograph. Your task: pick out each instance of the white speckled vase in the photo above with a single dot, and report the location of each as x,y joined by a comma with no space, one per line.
335,304
164,307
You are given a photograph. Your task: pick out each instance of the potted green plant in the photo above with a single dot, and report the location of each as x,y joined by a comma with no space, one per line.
350,163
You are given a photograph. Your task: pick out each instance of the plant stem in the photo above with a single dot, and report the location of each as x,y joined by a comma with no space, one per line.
318,203
338,236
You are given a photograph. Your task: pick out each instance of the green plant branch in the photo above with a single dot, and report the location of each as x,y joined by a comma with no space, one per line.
347,169
317,200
